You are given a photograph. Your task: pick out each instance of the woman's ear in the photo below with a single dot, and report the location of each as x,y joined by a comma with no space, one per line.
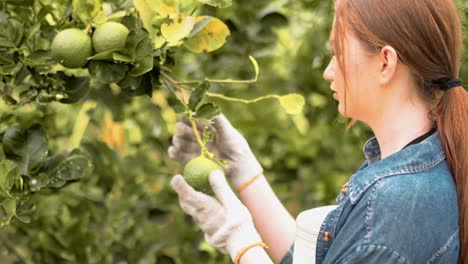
388,59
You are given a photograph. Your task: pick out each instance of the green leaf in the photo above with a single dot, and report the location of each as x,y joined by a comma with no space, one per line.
217,3
27,147
8,210
270,17
292,103
86,10
122,57
38,182
45,10
138,44
143,57
106,55
210,38
142,66
107,72
207,111
39,58
197,95
8,174
67,167
136,86
76,88
20,2
11,33
6,59
144,49
24,210
27,96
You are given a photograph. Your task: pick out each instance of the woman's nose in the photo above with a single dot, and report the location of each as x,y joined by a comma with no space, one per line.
329,73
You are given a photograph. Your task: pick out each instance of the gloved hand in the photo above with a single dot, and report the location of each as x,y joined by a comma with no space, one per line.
228,145
226,222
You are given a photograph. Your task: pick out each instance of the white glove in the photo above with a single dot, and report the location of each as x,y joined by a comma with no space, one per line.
226,222
228,145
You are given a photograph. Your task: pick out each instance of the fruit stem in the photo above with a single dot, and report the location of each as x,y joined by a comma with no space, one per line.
170,82
203,149
218,81
245,101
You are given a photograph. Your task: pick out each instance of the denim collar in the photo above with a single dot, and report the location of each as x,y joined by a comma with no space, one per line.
413,159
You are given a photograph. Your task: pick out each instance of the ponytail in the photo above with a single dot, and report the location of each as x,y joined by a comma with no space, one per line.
452,123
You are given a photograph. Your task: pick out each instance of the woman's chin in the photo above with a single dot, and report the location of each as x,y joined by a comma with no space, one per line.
341,109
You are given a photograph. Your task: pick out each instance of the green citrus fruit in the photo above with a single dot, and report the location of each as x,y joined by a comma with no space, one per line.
109,36
71,47
197,170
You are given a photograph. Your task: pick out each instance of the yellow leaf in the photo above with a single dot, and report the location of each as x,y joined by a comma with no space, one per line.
210,38
149,17
301,123
145,12
292,103
163,7
180,28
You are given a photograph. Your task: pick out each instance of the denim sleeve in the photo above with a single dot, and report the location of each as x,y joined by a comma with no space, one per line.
288,257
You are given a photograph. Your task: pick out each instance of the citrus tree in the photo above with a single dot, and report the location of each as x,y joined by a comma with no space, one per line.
79,81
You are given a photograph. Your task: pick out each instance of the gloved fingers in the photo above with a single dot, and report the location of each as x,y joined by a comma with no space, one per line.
220,245
189,198
199,123
222,189
179,155
185,130
222,234
185,145
223,126
216,218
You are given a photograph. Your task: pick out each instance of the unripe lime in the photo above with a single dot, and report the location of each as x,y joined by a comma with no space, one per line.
109,36
71,47
196,173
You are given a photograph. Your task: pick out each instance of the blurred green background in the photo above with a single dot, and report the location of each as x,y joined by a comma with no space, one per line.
126,212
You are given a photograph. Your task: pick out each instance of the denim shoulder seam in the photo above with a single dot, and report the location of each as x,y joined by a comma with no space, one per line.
422,167
403,170
370,210
444,248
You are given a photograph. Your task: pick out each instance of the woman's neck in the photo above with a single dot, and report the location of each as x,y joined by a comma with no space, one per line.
400,124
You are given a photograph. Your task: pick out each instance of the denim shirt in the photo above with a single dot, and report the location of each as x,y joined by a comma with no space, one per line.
401,209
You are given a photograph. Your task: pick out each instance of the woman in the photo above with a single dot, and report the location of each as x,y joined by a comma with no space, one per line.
395,67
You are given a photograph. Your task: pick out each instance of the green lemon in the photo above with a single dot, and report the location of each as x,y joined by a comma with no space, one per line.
196,173
71,47
109,36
